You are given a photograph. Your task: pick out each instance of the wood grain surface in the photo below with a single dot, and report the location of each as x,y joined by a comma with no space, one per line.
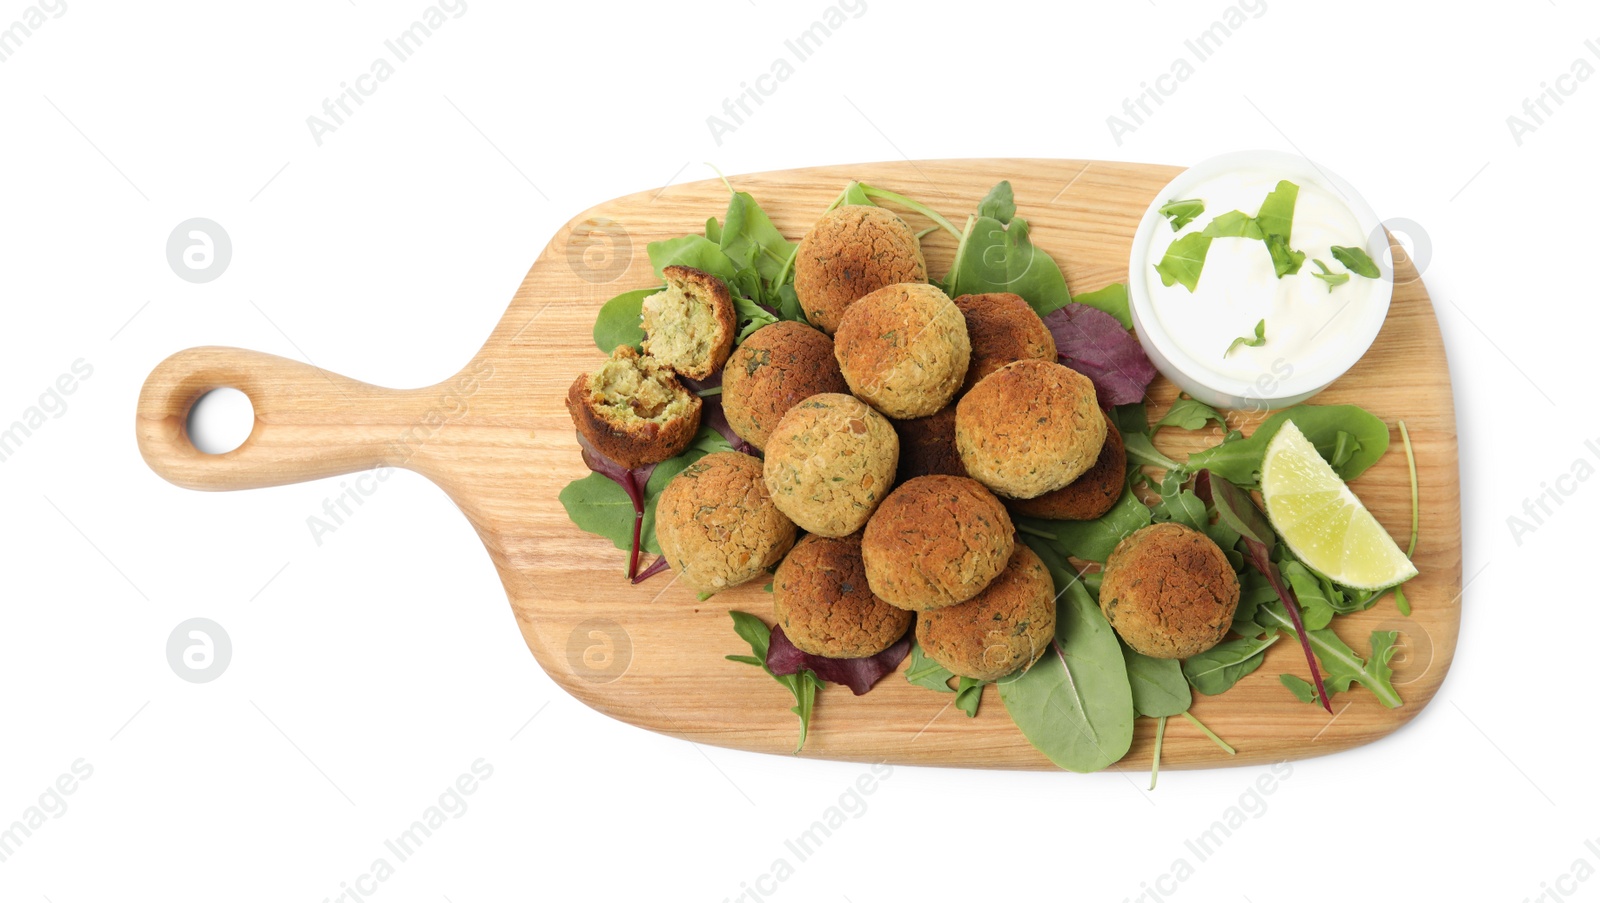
497,439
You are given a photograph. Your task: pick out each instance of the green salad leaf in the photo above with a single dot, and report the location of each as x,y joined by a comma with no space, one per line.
691,251
925,672
618,320
1300,687
1239,460
1276,216
1234,224
1182,213
1189,414
1342,667
1159,687
747,234
1217,669
1356,261
996,255
596,504
802,685
1113,299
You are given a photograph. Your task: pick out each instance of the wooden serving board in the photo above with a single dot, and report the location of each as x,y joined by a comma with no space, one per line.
497,439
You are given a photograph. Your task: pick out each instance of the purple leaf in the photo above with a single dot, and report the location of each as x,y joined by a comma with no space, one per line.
1093,342
632,482
711,413
859,674
1238,510
656,567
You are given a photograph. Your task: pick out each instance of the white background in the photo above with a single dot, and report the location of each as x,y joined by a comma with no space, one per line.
369,672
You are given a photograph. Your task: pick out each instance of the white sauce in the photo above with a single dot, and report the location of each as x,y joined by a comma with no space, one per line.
1238,288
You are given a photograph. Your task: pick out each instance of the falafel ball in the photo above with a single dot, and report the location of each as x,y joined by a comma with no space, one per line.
1000,630
716,525
1029,428
928,446
1169,591
773,370
853,250
936,541
1002,328
830,462
633,410
821,598
903,349
1090,495
689,325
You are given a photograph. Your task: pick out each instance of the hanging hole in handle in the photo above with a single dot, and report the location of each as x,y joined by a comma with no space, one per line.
221,421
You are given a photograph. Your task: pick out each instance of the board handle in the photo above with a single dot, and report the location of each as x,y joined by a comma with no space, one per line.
309,423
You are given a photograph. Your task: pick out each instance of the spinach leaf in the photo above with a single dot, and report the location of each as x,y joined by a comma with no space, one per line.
801,685
1184,260
1189,414
692,251
1223,665
1075,704
925,672
1356,261
748,234
596,504
1239,460
618,320
1329,276
1093,540
1234,224
1131,418
1159,687
1257,342
1113,299
999,204
1299,686
997,257
751,315
1182,213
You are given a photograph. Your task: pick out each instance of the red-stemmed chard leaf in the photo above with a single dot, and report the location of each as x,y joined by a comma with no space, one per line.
632,482
711,413
859,674
1094,343
1238,510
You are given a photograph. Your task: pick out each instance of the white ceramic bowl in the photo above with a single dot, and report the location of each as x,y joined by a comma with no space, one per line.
1271,389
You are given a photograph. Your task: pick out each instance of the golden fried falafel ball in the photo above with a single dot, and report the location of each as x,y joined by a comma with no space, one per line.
928,446
853,250
1001,630
821,598
716,524
1090,495
903,349
774,369
1002,328
936,541
1169,591
633,410
1029,427
830,463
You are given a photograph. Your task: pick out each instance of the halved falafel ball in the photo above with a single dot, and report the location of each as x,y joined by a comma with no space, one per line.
928,446
852,251
1090,495
716,525
1029,427
830,463
1169,591
1002,328
1000,630
820,596
935,542
633,410
903,349
770,372
689,325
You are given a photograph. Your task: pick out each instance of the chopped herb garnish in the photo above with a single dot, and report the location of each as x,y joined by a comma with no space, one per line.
1184,260
1330,277
1257,342
1182,213
1356,261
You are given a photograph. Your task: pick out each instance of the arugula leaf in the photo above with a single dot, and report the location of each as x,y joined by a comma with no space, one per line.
1113,299
1184,260
1239,460
1184,507
999,204
1297,685
1093,540
998,257
925,672
1234,224
802,685
1182,213
752,315
1257,342
1159,687
1316,604
1189,414
618,322
692,251
1329,276
855,194
1344,667
1356,261
1276,216
1075,704
1286,261
1217,669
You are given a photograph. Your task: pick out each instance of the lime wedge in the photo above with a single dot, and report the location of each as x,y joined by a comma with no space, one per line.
1323,522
